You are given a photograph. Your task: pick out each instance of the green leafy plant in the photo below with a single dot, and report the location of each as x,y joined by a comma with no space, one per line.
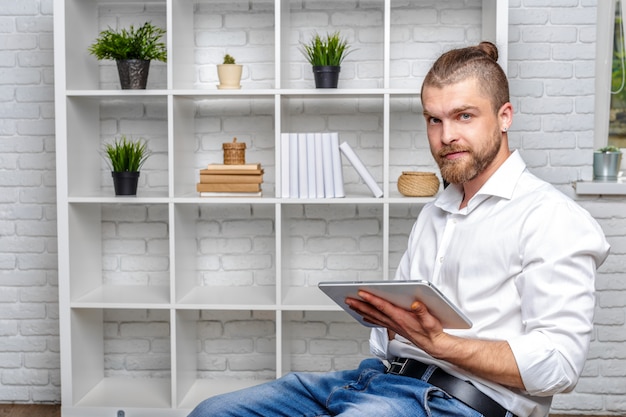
610,148
326,51
229,60
126,155
142,43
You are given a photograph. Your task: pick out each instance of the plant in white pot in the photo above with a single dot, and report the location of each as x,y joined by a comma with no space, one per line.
606,163
229,74
125,157
132,49
326,55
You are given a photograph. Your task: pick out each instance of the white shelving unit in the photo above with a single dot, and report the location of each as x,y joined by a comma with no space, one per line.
147,283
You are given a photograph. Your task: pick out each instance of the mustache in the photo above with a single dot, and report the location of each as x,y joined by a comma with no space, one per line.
447,150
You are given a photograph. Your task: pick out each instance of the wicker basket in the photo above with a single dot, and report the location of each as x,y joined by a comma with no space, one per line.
418,184
234,153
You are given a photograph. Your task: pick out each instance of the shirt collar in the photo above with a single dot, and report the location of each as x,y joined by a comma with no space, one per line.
501,184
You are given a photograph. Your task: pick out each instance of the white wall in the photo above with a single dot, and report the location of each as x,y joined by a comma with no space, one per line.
29,359
551,66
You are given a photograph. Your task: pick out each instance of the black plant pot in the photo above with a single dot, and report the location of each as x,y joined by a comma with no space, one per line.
133,73
125,183
326,76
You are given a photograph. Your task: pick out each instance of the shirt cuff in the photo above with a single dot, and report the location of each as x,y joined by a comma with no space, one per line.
543,368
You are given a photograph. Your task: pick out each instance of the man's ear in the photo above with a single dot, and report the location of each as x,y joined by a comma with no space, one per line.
505,116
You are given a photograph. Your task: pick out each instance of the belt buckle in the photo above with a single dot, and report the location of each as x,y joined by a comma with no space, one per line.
399,362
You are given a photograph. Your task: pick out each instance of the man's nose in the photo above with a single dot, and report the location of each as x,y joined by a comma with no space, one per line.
449,133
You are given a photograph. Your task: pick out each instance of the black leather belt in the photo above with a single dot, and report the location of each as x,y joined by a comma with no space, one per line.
461,390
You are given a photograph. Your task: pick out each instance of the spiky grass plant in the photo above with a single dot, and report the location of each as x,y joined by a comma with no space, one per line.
126,155
326,51
142,43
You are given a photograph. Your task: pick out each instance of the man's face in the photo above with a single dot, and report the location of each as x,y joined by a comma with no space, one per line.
463,131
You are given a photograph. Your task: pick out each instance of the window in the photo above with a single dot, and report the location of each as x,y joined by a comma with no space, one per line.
617,115
610,121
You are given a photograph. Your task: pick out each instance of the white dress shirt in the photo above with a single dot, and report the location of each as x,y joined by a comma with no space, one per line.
520,262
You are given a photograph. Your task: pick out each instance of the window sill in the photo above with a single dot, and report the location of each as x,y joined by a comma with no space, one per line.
601,187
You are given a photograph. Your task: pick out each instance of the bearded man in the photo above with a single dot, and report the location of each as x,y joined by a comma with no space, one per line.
513,253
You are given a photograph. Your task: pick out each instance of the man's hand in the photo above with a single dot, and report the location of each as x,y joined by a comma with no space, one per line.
492,360
416,325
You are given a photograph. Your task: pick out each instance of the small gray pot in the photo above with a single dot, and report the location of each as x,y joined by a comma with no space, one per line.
606,165
133,73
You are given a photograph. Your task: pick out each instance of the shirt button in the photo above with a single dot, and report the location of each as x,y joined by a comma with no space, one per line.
441,260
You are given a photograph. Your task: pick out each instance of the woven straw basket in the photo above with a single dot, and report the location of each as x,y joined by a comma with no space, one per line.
418,184
234,153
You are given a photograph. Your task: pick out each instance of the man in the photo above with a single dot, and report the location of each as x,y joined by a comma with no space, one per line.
517,256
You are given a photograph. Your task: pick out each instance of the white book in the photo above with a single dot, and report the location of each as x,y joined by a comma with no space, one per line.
310,163
327,162
303,169
284,165
319,166
337,169
293,165
361,169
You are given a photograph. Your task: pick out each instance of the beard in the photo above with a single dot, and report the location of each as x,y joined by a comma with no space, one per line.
466,168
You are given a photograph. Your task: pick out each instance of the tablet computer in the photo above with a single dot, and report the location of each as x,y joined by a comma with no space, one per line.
402,294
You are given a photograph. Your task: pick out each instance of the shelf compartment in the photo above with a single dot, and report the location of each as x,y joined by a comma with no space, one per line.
322,341
121,354
112,258
96,121
202,125
220,351
328,243
363,66
203,31
84,19
225,255
359,122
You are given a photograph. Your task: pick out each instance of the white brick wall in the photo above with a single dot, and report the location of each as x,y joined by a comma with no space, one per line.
553,94
29,344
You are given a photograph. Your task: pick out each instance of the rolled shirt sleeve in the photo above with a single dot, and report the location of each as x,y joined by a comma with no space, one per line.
557,292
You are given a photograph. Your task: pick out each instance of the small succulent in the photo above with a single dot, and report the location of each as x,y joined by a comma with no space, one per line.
609,148
228,59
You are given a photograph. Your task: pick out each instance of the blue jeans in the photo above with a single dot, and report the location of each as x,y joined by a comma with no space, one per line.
364,392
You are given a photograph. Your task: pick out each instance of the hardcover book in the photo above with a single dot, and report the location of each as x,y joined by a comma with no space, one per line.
249,188
361,169
231,179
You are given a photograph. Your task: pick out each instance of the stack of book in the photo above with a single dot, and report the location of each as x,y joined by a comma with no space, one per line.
312,168
230,180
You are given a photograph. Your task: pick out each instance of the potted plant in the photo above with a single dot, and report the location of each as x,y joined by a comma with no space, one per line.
606,163
326,55
132,49
229,74
125,158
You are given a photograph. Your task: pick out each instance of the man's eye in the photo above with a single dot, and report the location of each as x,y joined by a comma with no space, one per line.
465,116
433,121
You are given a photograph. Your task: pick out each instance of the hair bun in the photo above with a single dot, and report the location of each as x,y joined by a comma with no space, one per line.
489,49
